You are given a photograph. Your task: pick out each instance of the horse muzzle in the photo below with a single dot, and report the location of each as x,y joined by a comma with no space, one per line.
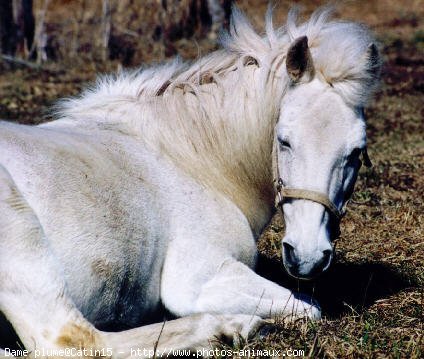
303,264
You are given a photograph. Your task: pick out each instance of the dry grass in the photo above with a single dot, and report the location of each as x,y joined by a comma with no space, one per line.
372,297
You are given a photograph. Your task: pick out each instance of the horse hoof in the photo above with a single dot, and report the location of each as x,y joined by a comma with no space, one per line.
266,330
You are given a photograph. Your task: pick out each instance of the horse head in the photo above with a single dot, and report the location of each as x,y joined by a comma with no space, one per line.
319,139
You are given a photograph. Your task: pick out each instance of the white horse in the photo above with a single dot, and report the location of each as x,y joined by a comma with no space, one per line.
152,188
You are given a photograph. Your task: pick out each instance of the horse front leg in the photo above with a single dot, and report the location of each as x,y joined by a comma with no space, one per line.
235,288
211,276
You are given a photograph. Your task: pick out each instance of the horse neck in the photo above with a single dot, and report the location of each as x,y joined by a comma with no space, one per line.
222,135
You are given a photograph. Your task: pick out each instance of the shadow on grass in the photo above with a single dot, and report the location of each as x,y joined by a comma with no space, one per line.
345,286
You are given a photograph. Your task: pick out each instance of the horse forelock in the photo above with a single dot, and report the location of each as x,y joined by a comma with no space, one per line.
215,117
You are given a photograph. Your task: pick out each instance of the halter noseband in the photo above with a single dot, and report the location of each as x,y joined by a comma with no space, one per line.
284,193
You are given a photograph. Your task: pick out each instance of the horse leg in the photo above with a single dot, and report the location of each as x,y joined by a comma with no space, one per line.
33,297
32,292
235,288
216,281
196,333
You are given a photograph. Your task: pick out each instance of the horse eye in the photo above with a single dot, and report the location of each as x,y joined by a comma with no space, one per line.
284,143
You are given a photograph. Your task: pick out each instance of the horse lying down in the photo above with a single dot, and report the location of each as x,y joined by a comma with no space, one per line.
150,190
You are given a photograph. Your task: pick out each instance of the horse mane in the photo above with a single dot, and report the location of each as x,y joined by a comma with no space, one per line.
215,117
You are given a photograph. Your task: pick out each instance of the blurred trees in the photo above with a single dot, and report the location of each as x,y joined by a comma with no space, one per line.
16,27
105,29
180,18
183,18
7,28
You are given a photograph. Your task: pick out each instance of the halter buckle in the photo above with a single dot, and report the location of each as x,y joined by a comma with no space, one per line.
279,187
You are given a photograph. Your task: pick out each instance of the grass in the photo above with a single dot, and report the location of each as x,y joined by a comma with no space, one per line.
372,297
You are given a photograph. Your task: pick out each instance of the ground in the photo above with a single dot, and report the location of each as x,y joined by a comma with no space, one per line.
372,297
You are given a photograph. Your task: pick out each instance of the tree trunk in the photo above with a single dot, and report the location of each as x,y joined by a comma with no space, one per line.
8,29
28,23
16,27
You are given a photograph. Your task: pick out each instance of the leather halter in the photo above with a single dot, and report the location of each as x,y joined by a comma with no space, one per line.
284,193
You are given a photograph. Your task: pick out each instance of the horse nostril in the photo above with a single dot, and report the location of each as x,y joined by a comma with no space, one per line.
288,251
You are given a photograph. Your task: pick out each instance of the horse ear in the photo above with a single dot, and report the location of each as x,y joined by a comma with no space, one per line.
299,62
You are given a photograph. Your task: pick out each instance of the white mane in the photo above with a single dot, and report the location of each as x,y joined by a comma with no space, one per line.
215,117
